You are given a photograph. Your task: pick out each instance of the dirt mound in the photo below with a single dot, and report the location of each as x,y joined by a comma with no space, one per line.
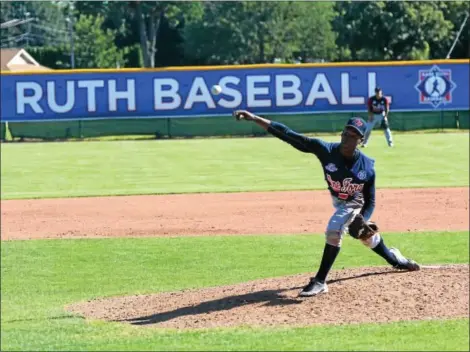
356,296
234,213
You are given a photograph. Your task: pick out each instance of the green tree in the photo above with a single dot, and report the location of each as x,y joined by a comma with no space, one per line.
156,32
455,12
117,17
56,57
316,35
47,28
259,32
150,15
395,30
94,47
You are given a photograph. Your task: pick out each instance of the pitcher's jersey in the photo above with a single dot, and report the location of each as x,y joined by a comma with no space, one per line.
344,183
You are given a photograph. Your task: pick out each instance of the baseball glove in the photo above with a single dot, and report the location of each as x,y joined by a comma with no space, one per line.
384,123
361,229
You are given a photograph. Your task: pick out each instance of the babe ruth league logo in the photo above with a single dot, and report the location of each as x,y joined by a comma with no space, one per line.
361,175
331,167
435,86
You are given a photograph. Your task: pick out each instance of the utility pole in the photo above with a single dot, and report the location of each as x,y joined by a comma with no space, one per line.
69,20
457,37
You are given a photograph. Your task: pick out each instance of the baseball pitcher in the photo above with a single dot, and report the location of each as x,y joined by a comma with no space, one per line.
350,176
378,107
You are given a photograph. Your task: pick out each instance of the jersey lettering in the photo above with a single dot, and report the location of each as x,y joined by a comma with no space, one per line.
346,187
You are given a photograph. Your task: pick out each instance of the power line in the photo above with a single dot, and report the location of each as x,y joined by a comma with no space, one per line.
48,39
5,42
8,23
13,38
16,39
14,23
50,29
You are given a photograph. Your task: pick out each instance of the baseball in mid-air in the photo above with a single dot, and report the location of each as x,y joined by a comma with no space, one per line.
216,89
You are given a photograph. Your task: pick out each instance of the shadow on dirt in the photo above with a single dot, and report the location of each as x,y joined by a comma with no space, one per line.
270,297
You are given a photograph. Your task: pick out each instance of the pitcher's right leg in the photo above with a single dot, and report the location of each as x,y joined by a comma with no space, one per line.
344,214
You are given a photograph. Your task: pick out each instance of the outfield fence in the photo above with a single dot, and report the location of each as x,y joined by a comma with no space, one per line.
223,126
177,102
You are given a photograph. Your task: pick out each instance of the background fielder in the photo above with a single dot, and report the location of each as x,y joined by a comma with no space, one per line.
350,176
378,107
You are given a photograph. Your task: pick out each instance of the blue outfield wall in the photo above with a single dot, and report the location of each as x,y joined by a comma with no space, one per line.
119,98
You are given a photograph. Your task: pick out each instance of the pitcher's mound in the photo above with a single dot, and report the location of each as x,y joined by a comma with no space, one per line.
356,296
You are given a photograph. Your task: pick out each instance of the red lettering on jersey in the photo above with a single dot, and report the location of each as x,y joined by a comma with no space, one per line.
336,185
346,188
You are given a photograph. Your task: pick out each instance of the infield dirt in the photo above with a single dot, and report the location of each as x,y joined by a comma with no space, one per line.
397,210
356,295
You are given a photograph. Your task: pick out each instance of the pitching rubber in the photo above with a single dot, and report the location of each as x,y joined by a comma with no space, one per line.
443,266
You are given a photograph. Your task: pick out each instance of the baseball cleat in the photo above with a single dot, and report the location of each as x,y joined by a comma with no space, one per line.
313,288
364,146
390,145
404,263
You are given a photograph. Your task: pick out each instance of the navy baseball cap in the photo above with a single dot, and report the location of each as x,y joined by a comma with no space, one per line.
358,124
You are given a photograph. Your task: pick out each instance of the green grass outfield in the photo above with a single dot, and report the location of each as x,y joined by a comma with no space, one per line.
70,169
40,277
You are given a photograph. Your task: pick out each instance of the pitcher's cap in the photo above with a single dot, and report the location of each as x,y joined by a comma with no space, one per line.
358,124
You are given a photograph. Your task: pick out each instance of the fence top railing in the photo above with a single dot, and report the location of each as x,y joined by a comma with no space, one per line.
251,66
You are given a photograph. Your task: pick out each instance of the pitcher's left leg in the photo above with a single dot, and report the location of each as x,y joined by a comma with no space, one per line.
392,255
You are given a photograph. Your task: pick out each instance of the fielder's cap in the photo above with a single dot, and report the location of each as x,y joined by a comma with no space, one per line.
358,124
378,89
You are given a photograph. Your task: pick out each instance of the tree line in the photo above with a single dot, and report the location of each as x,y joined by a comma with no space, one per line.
108,34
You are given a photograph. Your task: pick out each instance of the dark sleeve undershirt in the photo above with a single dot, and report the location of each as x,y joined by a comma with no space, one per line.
300,142
369,199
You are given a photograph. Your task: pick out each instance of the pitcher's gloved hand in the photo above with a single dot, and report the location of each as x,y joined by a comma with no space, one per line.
361,229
